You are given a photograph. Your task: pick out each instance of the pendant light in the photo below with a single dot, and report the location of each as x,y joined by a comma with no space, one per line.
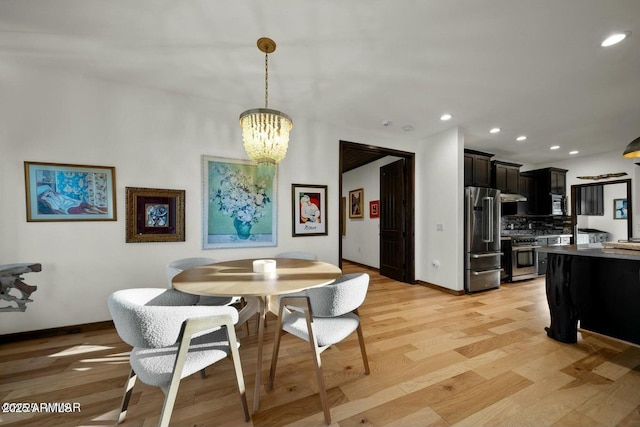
633,149
265,132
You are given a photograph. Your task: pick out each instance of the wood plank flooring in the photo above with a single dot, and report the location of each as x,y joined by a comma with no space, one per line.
436,360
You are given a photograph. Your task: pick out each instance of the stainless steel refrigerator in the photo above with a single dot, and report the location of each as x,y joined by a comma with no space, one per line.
481,239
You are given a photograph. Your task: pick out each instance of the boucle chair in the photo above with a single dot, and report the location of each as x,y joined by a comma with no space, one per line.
323,316
249,305
172,338
180,265
298,255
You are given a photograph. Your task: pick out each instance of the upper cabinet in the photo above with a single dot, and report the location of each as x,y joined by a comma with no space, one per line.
558,178
505,176
527,189
590,200
477,168
546,186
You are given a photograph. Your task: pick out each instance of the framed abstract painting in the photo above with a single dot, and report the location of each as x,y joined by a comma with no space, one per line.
65,192
374,209
154,215
309,210
356,203
239,204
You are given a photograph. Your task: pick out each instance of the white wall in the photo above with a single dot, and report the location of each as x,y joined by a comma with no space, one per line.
156,139
362,240
440,202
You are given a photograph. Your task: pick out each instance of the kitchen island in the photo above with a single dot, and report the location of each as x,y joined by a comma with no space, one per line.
597,286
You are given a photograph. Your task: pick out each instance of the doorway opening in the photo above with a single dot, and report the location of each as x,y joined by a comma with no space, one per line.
576,190
353,156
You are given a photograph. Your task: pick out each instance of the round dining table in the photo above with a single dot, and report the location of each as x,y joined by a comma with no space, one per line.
237,278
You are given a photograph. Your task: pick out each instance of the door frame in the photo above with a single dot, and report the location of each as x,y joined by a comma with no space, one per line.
409,211
574,192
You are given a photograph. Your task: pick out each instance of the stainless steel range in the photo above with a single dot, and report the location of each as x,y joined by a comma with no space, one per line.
524,257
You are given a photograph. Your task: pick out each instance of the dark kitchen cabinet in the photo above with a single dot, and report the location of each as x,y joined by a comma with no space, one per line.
505,176
527,190
546,183
590,200
558,178
477,168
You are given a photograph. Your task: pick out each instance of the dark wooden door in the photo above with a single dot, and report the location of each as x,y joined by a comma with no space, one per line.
392,221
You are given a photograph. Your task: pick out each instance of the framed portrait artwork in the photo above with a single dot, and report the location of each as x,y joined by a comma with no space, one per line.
309,210
374,209
154,215
356,203
620,209
239,203
65,192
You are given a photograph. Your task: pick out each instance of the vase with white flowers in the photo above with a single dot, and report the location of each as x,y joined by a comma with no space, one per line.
240,197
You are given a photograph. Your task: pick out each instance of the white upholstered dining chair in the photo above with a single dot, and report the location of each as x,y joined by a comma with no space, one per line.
298,255
322,316
248,305
172,339
179,265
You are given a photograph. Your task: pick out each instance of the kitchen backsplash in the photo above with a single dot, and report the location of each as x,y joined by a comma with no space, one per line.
515,225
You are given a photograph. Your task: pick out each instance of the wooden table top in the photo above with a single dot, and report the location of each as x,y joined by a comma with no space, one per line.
236,278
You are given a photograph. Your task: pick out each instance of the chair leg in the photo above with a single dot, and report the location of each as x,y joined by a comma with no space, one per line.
276,348
128,391
365,359
203,373
319,375
231,334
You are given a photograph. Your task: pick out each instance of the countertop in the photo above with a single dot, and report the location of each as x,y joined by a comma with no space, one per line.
536,235
592,250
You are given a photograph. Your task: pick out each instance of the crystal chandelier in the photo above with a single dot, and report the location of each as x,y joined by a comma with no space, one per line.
265,132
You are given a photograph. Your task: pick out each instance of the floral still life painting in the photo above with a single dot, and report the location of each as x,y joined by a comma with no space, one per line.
239,205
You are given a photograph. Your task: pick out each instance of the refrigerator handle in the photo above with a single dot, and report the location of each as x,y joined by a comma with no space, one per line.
487,223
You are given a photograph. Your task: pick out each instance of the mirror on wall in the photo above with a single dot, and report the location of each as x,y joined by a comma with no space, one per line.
602,206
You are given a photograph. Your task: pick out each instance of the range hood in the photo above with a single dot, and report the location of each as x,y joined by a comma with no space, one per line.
512,197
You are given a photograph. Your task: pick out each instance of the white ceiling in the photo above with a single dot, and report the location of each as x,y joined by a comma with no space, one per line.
531,67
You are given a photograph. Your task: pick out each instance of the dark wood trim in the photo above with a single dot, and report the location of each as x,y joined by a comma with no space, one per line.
440,288
54,332
574,192
410,173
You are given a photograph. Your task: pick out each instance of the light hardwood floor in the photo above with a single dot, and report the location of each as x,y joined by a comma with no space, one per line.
436,360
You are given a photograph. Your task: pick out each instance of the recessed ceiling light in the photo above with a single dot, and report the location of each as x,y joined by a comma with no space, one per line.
495,130
615,38
574,152
554,147
521,138
386,123
407,128
445,117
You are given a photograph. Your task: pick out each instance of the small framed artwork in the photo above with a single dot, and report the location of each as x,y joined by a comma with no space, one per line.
620,209
64,192
309,209
374,209
154,215
356,203
343,215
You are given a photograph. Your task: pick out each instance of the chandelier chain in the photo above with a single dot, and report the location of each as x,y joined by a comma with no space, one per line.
266,80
